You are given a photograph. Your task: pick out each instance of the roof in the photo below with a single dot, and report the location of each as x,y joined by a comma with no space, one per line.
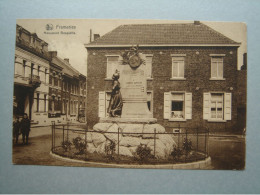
67,68
163,34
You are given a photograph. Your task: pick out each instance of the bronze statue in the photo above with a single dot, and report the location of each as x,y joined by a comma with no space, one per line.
116,102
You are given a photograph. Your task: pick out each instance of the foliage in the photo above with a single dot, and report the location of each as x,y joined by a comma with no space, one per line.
176,153
79,144
187,145
110,150
66,145
143,152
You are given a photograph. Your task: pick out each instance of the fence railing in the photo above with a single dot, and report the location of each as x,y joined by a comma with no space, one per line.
72,141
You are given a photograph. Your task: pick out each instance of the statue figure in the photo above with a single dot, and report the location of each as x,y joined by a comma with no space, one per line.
116,102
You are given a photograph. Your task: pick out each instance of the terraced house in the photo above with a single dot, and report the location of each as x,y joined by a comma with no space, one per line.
31,76
46,87
191,72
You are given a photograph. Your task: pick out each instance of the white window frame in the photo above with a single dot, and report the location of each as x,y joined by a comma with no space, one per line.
227,106
216,103
114,69
181,59
187,105
220,61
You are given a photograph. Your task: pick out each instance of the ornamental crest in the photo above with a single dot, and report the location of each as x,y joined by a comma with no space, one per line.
132,57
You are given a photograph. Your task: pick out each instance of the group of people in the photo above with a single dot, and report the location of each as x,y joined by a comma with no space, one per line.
21,127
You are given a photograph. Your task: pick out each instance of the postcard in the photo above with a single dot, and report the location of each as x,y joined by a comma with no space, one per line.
160,94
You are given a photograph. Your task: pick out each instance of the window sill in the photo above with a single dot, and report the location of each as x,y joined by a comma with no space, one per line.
217,79
216,121
176,120
178,79
149,79
108,79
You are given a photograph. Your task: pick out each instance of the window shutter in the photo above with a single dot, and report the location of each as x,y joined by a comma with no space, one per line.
101,104
167,105
206,106
188,105
227,109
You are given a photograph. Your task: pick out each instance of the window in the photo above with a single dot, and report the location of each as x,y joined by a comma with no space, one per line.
217,106
24,65
177,106
150,101
45,103
37,102
217,67
53,104
45,75
177,67
38,71
32,67
112,65
148,65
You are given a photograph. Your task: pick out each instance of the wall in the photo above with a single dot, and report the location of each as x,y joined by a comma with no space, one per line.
197,74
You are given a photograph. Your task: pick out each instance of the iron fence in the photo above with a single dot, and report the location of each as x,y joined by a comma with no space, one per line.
72,141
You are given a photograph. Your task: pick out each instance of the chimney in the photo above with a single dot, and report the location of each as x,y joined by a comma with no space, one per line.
96,36
53,54
67,60
196,22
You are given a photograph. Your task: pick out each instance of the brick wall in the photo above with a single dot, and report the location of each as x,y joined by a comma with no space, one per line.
197,74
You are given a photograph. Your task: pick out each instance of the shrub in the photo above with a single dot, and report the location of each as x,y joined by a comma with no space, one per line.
110,150
143,152
79,144
187,145
176,153
66,145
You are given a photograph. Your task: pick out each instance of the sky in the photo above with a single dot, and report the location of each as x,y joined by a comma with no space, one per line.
72,45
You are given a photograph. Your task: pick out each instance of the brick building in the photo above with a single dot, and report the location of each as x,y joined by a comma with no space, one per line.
31,76
67,91
191,73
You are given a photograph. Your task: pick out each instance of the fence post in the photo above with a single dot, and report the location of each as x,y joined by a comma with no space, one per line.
205,150
86,145
68,131
197,142
154,136
186,137
118,142
63,133
52,136
208,145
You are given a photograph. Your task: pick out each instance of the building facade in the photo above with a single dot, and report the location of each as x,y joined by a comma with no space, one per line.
31,76
46,87
191,72
67,91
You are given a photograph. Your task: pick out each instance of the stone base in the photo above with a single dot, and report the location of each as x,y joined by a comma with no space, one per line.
128,120
130,137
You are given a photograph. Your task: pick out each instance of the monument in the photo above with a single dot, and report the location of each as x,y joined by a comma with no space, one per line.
129,116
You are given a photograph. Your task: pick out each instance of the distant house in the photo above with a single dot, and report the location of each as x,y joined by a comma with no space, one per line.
191,72
67,91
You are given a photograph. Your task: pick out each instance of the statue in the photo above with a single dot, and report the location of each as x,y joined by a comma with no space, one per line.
116,102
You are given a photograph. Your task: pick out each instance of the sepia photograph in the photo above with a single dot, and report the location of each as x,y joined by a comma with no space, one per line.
121,93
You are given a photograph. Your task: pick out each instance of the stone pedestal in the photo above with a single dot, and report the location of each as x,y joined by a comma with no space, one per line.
134,94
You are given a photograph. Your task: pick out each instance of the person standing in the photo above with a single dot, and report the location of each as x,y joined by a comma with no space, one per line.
16,129
25,127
